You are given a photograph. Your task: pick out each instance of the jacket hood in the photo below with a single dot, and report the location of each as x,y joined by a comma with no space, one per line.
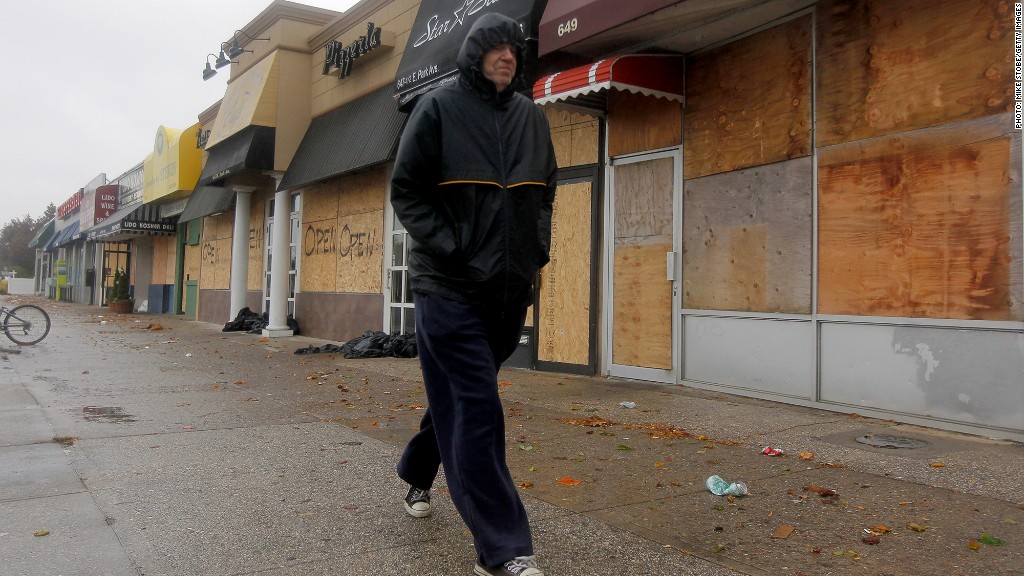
488,31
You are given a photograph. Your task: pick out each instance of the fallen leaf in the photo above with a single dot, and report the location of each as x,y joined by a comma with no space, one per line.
916,527
659,464
526,484
623,448
264,339
567,481
882,529
526,447
591,422
871,539
239,382
972,544
938,465
806,455
503,383
41,533
783,531
990,540
824,492
350,507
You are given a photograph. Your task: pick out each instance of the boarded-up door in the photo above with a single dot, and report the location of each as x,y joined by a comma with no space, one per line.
643,267
566,317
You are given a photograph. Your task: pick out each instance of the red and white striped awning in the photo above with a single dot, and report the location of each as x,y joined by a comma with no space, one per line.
654,75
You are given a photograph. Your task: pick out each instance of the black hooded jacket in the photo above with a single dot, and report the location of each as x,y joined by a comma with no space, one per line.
474,181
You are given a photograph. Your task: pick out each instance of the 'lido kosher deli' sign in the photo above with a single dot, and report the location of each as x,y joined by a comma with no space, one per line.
437,35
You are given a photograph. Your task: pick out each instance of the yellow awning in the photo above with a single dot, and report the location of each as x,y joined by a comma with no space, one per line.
171,170
250,99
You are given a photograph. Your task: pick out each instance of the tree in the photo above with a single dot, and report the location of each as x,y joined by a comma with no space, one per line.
15,255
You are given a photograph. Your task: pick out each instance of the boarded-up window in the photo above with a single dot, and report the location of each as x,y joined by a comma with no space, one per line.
574,136
887,67
747,238
925,224
748,103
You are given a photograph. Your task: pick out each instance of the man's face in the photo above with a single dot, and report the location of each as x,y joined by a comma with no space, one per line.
499,65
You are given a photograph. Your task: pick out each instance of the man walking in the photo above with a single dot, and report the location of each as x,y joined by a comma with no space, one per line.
473,185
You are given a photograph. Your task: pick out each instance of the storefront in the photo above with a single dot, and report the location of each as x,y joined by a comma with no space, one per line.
250,139
831,238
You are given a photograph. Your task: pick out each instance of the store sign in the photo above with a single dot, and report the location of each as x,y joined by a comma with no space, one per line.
341,57
202,137
145,226
106,201
71,204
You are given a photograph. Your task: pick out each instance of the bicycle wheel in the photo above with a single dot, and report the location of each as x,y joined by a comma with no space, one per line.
26,324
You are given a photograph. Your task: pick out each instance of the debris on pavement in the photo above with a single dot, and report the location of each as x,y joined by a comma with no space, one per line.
720,487
629,405
783,531
770,451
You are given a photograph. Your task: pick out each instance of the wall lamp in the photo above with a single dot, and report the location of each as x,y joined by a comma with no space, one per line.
209,72
234,50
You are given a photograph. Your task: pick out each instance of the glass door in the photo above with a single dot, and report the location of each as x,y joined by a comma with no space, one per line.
400,318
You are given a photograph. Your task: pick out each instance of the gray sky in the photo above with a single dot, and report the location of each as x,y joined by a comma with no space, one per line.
86,84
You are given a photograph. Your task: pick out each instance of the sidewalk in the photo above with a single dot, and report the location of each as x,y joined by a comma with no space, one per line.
192,451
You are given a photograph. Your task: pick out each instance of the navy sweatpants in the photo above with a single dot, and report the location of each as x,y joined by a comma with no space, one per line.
461,346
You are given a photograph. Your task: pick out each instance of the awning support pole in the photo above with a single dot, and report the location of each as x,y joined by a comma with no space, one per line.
280,264
240,249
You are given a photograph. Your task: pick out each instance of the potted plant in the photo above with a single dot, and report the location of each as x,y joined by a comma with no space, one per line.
120,300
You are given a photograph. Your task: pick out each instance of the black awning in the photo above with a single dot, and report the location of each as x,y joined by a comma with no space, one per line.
67,235
357,135
206,200
437,35
133,219
42,237
252,148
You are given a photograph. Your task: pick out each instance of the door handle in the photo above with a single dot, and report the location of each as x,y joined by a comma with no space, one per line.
670,266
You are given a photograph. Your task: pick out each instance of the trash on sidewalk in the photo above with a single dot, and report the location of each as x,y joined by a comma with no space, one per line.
371,344
720,487
770,451
783,531
628,404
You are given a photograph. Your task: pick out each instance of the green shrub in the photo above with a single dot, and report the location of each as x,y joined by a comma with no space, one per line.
3,286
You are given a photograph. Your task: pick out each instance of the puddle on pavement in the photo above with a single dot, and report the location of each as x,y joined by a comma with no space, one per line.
892,442
114,414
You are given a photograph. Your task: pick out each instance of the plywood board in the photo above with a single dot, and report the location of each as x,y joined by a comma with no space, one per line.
563,333
222,264
642,304
643,198
193,265
747,239
887,67
358,246
320,201
575,137
257,244
748,103
319,256
159,260
924,224
637,123
362,192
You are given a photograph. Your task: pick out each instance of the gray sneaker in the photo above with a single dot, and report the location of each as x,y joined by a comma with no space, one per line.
417,503
520,566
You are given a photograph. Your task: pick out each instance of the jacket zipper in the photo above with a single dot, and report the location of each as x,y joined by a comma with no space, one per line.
505,197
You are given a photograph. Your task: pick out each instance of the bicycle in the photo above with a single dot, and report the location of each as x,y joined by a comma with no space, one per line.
25,324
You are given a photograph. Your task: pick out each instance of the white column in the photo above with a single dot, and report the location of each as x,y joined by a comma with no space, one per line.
280,263
240,250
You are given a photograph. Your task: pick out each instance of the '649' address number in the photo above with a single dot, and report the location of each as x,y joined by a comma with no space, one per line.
568,27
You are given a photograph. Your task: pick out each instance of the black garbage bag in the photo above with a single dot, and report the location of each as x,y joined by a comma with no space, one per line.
252,323
376,344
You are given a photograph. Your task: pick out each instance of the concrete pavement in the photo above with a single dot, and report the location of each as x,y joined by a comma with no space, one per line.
147,444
